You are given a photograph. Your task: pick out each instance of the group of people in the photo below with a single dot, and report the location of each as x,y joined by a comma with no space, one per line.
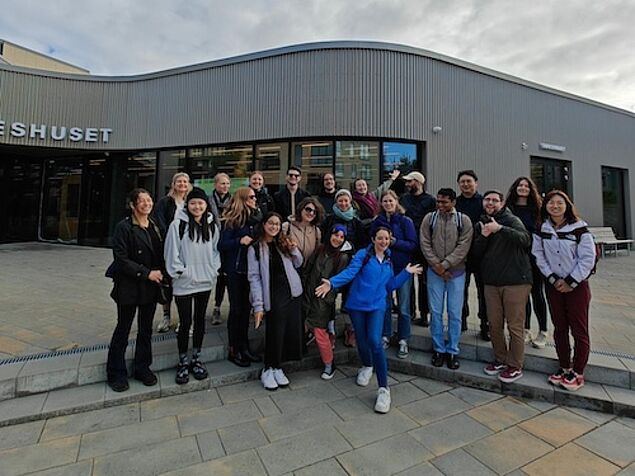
284,258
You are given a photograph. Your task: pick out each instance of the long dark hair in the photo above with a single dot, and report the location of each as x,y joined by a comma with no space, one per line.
200,231
533,200
328,249
570,214
281,240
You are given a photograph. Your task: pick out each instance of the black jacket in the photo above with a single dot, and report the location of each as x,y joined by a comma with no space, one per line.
472,207
265,202
503,256
163,213
135,252
418,206
327,200
282,201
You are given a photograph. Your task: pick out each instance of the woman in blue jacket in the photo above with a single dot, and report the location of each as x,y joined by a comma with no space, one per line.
402,246
373,278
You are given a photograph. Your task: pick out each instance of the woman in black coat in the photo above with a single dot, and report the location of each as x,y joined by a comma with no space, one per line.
137,273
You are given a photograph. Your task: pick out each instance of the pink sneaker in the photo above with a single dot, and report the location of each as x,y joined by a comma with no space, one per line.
556,379
510,374
494,368
572,381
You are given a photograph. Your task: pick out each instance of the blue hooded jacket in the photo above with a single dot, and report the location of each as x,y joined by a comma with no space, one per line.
403,230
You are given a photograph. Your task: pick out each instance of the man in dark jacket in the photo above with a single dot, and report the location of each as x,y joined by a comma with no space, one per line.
327,194
290,196
470,202
500,246
418,204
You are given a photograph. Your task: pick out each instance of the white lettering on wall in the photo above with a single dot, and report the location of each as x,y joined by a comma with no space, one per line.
35,130
58,133
91,134
19,130
1,128
76,134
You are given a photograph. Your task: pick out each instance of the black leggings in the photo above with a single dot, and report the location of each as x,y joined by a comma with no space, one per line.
184,305
538,298
239,310
219,293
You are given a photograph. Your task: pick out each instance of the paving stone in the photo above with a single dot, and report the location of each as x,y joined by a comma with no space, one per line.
136,393
403,393
471,375
474,396
351,408
373,427
42,375
533,385
502,413
349,387
539,405
38,457
431,387
244,391
629,471
607,370
423,469
435,408
623,400
169,387
302,450
570,459
214,418
508,450
459,462
225,373
385,457
630,422
20,435
210,445
18,410
70,400
8,374
401,377
89,422
558,426
240,464
449,434
92,367
613,441
328,467
128,436
291,402
83,468
306,378
266,406
288,424
592,396
149,460
179,404
241,437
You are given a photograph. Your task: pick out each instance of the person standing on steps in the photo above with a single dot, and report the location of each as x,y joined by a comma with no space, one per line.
218,202
287,199
192,261
275,295
373,279
327,193
446,237
257,184
470,202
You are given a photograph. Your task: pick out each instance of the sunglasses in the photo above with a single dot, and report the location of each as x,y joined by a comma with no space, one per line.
310,210
294,175
251,197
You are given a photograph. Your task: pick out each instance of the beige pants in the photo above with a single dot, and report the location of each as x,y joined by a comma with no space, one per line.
507,304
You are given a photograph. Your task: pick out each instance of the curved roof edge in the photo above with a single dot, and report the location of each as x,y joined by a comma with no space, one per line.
317,46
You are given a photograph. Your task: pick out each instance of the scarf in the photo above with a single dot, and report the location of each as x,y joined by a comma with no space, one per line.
347,216
368,204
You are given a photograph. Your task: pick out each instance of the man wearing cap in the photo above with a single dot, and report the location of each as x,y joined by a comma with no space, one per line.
291,195
418,204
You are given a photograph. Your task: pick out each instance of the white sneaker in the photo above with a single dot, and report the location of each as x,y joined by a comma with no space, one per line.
268,380
528,338
164,325
382,405
386,342
363,376
280,377
540,341
403,349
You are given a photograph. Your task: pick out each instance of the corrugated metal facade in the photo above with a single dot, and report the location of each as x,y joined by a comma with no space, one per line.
346,89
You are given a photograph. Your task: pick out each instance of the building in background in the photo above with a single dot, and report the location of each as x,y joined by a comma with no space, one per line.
72,144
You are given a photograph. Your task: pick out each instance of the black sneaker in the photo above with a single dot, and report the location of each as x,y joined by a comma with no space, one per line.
198,369
485,334
119,385
147,379
251,357
453,362
437,359
239,359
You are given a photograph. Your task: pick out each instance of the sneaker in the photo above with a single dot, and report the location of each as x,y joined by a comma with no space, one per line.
119,385
329,372
453,362
556,379
528,338
182,373
494,368
268,380
572,381
382,405
385,342
198,369
510,374
216,316
540,341
165,324
149,379
280,377
363,376
403,349
437,359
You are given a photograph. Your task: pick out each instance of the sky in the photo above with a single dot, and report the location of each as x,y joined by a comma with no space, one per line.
577,46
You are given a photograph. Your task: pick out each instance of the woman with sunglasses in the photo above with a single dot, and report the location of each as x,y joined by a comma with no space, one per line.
238,230
304,227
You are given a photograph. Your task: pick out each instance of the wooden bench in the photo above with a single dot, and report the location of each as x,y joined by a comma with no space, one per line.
605,238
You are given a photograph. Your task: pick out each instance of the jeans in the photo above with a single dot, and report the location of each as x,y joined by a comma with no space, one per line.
368,325
438,289
404,319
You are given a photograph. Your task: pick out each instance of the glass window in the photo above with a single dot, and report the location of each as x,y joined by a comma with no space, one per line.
170,162
550,174
402,156
315,159
357,159
206,162
272,160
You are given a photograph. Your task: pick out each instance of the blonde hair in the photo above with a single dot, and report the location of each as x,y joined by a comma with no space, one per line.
172,192
237,212
221,175
392,193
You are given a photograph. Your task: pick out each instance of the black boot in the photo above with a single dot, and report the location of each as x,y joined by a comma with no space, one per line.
239,359
249,355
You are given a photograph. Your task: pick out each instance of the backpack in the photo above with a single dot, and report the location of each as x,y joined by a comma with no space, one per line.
458,221
575,235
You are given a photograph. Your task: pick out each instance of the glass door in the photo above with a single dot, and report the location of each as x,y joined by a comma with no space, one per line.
551,174
61,190
613,200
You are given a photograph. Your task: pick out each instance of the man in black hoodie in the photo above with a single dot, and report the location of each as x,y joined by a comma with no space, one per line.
500,246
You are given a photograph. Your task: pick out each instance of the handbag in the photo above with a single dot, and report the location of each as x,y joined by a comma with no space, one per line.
165,291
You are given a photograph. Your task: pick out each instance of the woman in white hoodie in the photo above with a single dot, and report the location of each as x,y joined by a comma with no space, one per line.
192,260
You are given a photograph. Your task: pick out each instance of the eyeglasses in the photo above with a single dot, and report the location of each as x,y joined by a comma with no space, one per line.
294,175
310,210
492,200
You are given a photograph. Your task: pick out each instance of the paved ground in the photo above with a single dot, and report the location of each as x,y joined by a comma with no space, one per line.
321,428
56,297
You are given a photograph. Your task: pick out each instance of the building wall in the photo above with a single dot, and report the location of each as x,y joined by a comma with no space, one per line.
366,91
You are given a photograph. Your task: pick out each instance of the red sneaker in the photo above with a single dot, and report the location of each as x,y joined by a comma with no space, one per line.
494,368
556,379
572,381
510,374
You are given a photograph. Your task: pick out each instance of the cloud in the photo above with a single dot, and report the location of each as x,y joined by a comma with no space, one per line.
580,47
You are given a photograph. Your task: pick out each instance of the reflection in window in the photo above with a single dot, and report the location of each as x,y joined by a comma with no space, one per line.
315,159
170,162
357,159
400,156
271,160
206,162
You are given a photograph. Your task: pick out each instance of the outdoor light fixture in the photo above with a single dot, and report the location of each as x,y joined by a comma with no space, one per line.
523,145
437,129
